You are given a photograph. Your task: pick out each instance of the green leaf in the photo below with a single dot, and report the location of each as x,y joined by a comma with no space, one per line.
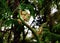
22,6
31,9
8,22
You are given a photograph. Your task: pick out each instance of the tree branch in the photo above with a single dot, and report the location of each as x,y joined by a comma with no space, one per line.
33,31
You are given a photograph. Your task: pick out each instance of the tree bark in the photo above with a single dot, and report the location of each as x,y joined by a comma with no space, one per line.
15,31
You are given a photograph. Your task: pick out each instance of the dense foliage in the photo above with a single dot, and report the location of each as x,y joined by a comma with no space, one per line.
45,13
